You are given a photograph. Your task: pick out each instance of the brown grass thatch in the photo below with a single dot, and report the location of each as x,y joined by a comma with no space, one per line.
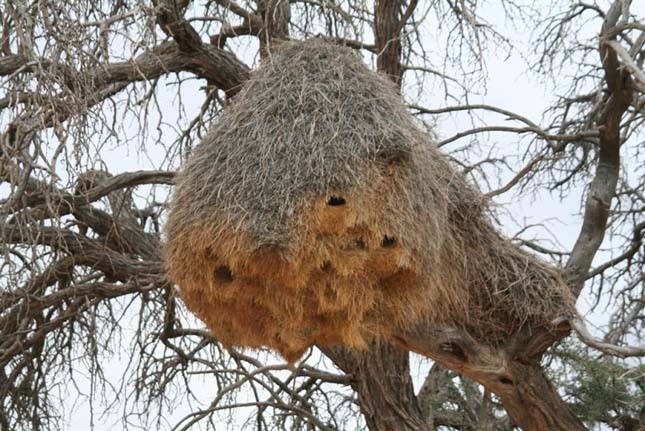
316,211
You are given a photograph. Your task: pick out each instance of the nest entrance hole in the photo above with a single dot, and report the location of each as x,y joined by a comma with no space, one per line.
505,380
336,201
388,241
223,273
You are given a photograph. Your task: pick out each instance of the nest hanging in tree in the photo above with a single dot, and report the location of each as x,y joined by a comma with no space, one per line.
316,211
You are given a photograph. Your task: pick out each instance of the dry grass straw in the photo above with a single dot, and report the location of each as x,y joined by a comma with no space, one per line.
316,211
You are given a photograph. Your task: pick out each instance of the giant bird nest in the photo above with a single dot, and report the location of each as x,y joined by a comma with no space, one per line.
317,211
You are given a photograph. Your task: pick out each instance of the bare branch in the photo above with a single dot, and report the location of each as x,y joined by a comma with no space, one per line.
607,348
603,186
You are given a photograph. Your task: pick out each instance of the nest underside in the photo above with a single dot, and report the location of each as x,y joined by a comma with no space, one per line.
355,273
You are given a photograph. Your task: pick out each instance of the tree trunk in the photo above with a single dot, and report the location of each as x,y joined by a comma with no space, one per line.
275,16
512,373
387,29
381,378
533,403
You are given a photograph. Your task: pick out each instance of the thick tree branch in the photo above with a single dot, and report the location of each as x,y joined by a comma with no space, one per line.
637,74
381,377
387,29
526,393
107,186
218,66
603,186
276,15
90,252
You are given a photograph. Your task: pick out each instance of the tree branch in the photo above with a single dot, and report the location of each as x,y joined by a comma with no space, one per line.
526,393
219,66
603,186
610,349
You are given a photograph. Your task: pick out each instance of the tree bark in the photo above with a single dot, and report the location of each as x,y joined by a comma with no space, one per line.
275,17
381,378
603,187
532,401
387,29
219,67
515,376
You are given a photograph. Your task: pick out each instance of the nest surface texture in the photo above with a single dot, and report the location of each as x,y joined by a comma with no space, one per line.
316,211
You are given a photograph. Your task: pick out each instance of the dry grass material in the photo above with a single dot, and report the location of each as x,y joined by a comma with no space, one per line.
316,211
